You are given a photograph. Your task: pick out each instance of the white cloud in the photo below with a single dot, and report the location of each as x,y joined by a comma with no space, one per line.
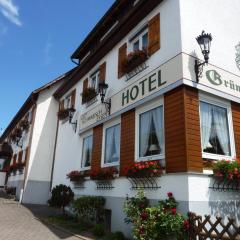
10,11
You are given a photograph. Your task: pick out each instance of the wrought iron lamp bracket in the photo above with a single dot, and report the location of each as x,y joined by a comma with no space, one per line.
199,69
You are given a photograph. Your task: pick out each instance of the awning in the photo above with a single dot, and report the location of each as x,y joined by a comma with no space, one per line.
5,151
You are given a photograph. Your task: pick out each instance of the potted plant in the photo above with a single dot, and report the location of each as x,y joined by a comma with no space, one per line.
104,174
88,94
62,114
144,169
76,176
134,59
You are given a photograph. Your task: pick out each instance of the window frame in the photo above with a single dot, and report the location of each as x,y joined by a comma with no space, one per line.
84,136
106,126
143,109
93,74
226,105
139,38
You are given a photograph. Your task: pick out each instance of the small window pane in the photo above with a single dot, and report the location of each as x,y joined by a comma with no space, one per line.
112,144
145,41
151,132
214,129
136,45
95,80
87,152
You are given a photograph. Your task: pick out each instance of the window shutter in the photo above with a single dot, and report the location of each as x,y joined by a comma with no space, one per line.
154,34
20,154
122,53
102,72
85,84
73,97
26,154
61,105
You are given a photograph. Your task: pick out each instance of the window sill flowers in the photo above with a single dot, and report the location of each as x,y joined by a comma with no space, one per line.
62,114
144,170
134,59
104,174
77,176
88,94
227,170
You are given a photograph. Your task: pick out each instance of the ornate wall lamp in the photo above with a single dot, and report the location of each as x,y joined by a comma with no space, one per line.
71,112
204,41
102,91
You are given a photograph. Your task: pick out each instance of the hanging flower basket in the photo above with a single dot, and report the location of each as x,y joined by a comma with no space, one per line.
104,174
76,176
62,114
88,94
144,170
134,59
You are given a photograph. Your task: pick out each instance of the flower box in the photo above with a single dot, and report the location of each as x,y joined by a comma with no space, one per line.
62,114
144,170
134,59
104,174
76,176
88,94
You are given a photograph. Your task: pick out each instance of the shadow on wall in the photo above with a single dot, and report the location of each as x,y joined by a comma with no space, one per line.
224,203
191,65
39,172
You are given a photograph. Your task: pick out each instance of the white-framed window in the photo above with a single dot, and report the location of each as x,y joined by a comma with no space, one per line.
149,141
111,143
67,102
87,145
140,41
94,80
217,138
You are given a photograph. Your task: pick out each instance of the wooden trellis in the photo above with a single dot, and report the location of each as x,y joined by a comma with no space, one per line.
203,228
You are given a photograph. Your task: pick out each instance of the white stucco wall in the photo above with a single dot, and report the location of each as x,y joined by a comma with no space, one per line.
2,178
220,18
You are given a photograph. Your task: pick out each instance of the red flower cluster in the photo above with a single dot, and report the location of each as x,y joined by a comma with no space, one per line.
144,169
75,176
104,174
16,166
186,225
134,59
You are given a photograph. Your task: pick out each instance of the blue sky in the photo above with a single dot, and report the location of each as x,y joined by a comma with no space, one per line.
37,38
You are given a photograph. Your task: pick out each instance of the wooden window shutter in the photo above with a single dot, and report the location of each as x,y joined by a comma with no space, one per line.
154,34
102,72
85,84
122,53
61,105
20,154
73,98
26,154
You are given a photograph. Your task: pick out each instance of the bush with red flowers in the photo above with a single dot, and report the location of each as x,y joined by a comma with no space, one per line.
144,169
228,170
161,221
134,59
76,176
104,174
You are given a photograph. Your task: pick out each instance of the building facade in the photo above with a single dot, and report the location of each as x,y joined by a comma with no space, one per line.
134,98
159,112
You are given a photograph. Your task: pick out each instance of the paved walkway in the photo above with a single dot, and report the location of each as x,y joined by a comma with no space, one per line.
18,222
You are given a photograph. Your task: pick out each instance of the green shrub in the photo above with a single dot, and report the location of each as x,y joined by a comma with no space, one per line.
61,196
99,230
90,208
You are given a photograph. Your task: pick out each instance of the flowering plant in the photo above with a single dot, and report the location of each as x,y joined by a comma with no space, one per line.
134,59
155,222
88,94
16,166
144,169
104,174
229,170
76,176
62,114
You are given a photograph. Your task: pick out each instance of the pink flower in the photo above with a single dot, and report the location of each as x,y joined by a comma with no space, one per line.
144,216
170,195
174,211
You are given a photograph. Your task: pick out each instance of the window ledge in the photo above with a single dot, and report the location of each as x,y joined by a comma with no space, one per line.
105,165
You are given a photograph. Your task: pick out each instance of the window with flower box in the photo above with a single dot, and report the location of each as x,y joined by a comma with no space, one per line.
150,132
111,143
217,138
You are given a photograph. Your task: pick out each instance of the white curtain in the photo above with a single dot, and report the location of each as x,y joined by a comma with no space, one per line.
221,126
112,144
144,131
87,151
206,123
157,115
